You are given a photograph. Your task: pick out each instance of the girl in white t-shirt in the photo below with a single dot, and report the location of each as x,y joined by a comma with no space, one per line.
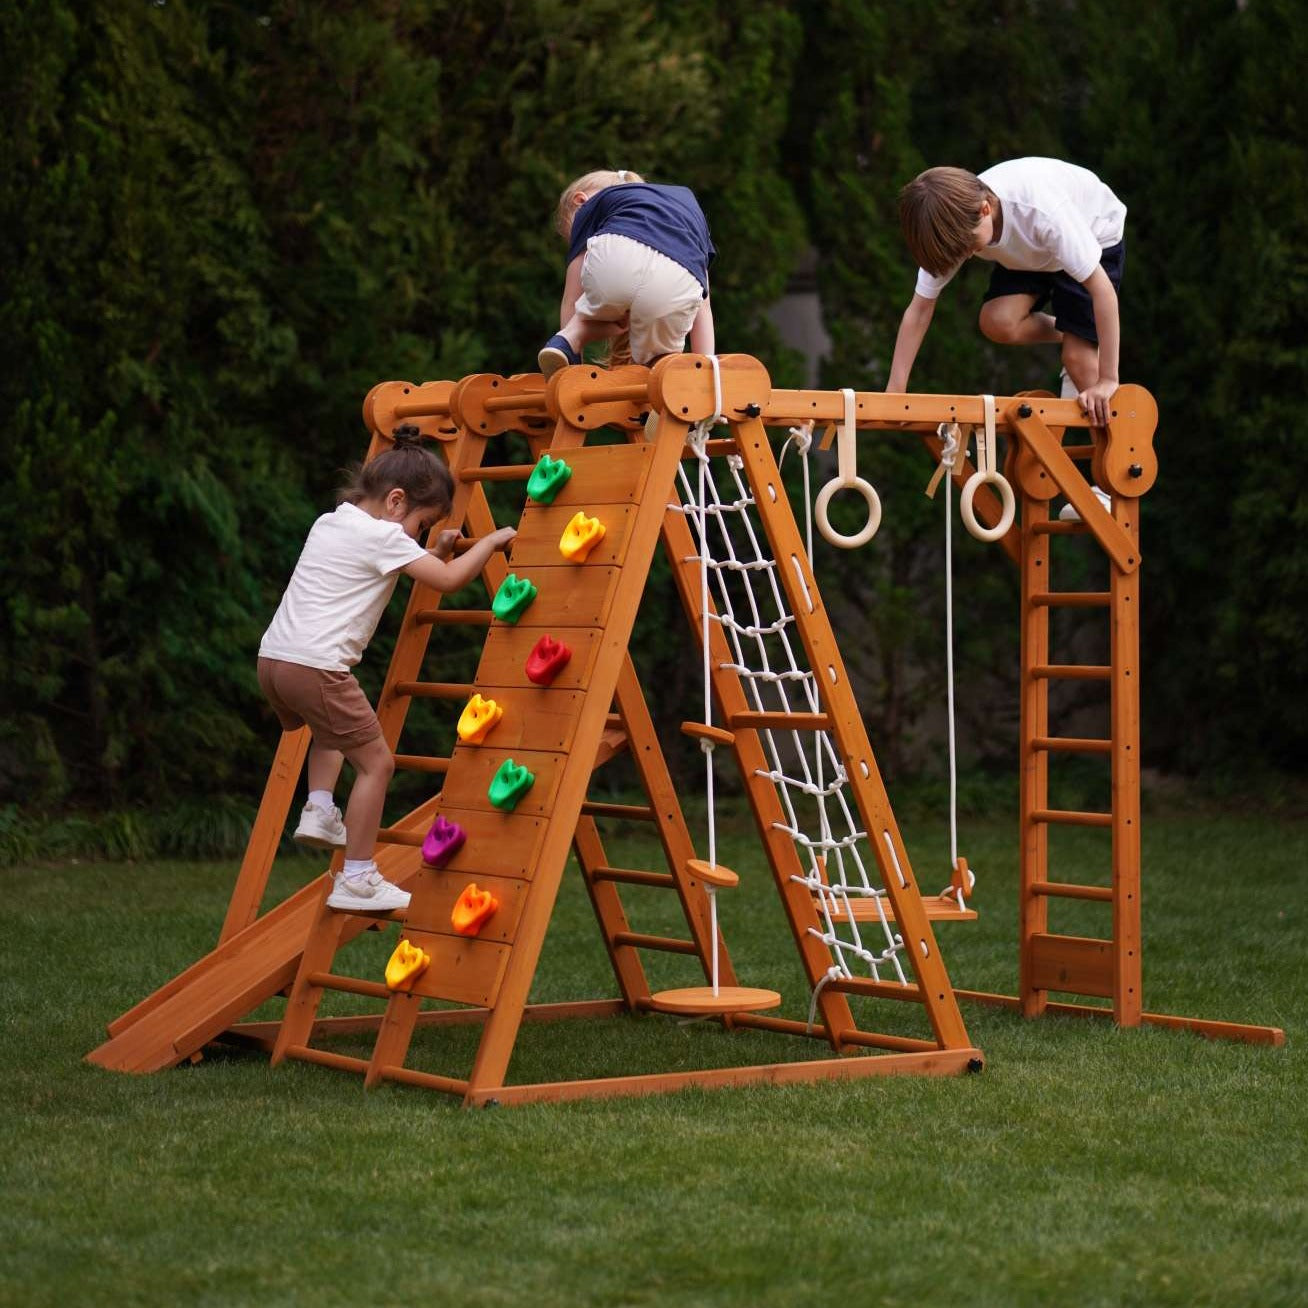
337,593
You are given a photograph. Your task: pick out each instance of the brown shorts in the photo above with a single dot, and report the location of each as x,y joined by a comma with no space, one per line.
331,703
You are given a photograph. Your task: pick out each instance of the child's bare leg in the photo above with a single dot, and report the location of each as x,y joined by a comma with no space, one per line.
373,765
1081,359
580,331
1008,320
324,767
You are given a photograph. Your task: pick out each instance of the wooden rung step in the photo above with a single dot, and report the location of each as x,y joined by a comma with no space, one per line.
1065,890
340,1062
780,721
1072,745
507,472
465,617
865,910
398,836
421,763
434,689
1072,671
348,985
632,812
666,944
1071,818
1071,599
632,877
1056,527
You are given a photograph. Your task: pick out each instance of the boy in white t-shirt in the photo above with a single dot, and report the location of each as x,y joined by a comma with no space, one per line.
333,602
1056,235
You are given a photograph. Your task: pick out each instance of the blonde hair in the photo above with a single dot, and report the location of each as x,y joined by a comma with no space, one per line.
587,185
938,213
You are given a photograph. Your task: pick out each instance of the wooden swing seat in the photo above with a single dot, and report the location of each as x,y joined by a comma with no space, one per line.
700,1001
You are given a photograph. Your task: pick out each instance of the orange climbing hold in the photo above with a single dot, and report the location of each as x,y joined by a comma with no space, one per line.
580,536
406,965
472,910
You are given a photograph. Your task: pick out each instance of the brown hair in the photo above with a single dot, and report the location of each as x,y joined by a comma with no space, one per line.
938,213
588,184
408,466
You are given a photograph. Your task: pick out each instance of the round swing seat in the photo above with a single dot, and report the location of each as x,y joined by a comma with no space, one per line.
717,876
700,1001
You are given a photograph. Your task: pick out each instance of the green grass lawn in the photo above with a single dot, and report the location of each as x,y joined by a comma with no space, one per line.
1086,1165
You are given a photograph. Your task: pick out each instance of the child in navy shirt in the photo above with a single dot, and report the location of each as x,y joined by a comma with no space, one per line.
638,258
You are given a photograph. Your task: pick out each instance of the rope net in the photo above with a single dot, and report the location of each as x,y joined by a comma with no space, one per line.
805,768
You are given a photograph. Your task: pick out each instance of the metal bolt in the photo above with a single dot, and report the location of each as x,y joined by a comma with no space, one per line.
1023,410
1135,470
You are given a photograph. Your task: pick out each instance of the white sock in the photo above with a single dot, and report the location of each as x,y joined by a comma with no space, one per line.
323,799
358,867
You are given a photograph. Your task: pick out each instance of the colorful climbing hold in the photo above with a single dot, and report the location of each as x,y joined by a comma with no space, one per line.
580,536
405,966
478,717
509,784
442,842
472,910
547,479
513,597
546,660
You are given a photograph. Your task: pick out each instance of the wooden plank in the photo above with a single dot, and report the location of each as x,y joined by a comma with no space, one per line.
1074,964
504,657
467,783
534,718
568,596
463,970
603,474
537,542
434,893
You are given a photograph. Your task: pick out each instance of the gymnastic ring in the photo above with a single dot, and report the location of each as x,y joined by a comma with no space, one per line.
870,496
968,514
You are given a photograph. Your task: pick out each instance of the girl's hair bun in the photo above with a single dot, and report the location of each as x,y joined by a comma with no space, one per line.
407,436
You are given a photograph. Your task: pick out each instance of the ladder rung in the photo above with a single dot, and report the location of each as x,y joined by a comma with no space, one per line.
421,763
349,985
631,877
1057,527
398,836
1071,818
666,943
780,721
1072,671
509,472
433,689
636,812
428,1080
1072,599
469,617
1079,451
1064,890
1072,745
341,1062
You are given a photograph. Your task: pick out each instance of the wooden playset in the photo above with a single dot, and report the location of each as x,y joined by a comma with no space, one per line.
684,458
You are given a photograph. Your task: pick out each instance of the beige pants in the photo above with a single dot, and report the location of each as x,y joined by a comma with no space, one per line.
621,276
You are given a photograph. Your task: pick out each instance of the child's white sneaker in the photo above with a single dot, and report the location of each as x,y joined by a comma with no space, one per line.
1068,512
369,893
321,828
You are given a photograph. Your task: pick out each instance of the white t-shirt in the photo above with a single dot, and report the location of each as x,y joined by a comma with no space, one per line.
340,586
1057,217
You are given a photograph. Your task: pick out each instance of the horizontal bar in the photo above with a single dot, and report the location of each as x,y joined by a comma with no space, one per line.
1079,451
1072,599
638,940
421,763
433,689
878,1040
1072,744
780,721
892,410
635,812
1072,671
636,393
428,1080
1057,527
349,985
1065,890
420,409
1070,817
631,877
529,401
864,985
398,836
469,617
506,472
341,1062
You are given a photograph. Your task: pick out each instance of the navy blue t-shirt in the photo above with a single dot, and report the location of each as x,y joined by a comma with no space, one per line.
666,218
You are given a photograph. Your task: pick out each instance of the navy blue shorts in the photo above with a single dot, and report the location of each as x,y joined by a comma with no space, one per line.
1068,300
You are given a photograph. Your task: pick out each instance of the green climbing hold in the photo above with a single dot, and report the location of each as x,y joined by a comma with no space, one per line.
512,598
547,479
509,784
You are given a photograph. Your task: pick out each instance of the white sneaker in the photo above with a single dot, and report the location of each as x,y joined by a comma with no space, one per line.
321,828
370,893
1068,512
